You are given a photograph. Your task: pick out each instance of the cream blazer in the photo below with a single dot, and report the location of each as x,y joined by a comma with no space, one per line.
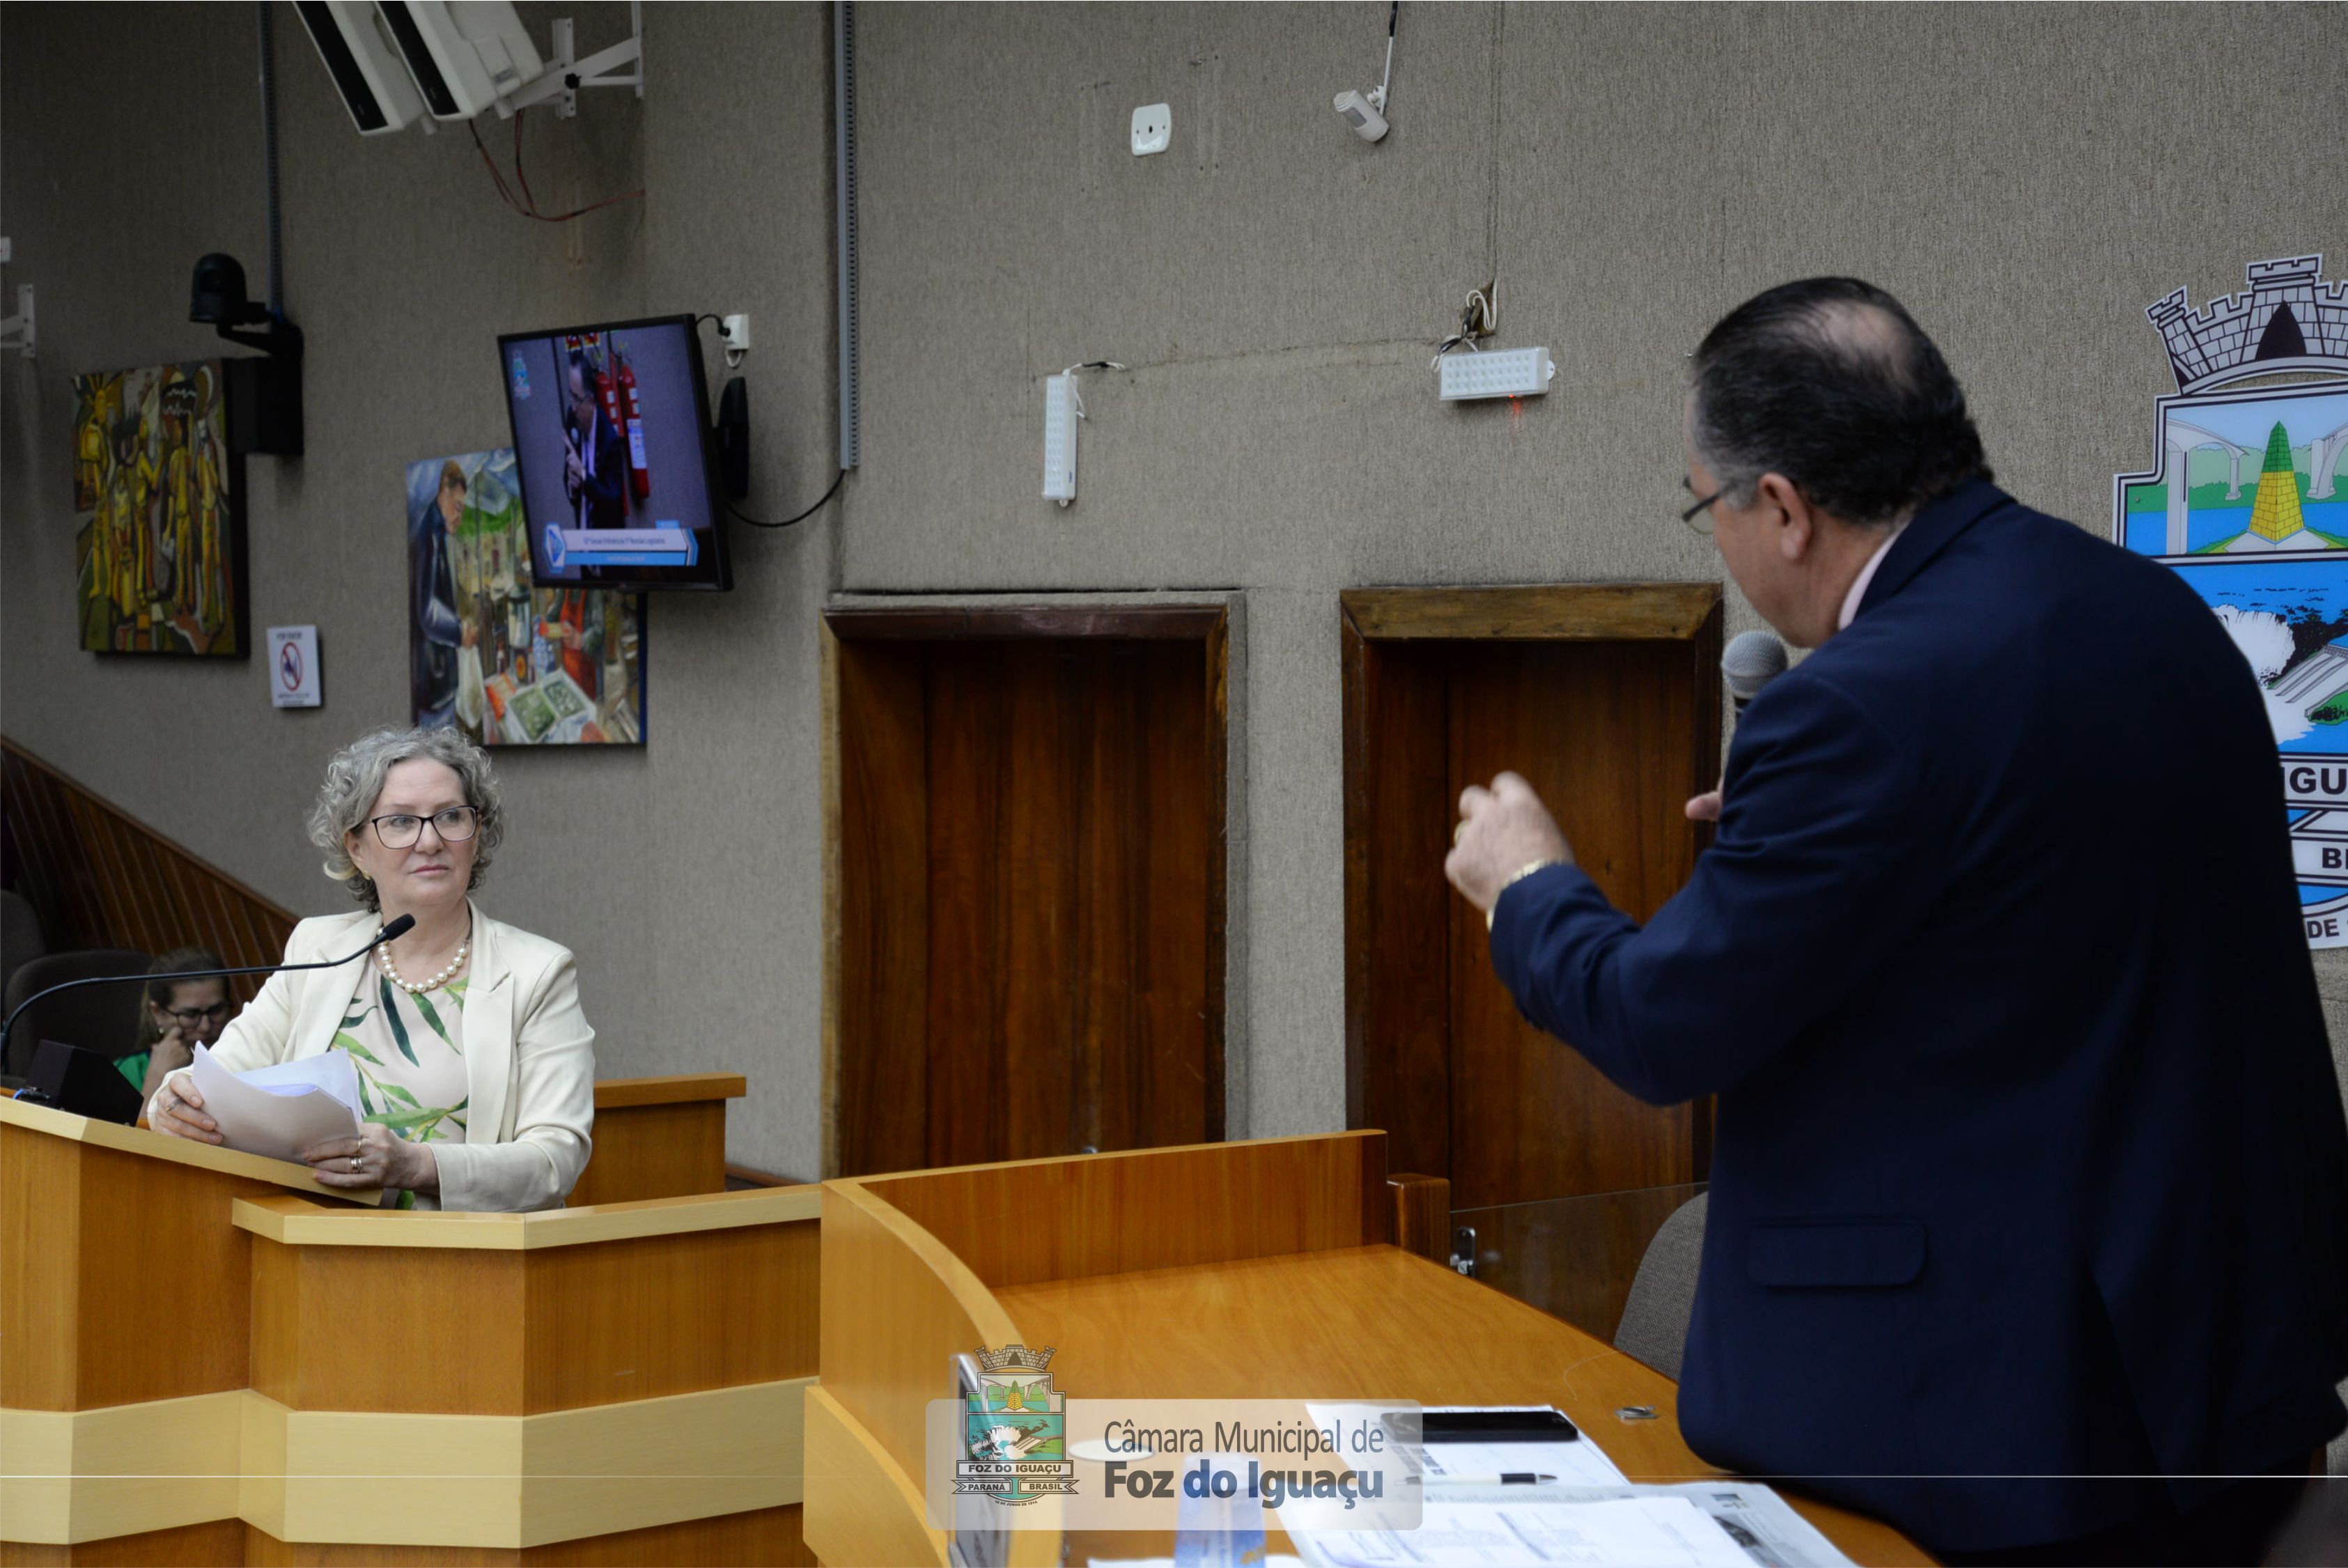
530,1057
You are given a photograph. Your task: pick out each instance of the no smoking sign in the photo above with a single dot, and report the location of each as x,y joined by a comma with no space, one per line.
293,666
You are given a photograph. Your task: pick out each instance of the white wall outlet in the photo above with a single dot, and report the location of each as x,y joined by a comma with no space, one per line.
1153,127
734,330
1060,438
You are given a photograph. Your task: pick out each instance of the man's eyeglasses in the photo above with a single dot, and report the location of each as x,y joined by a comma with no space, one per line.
190,1018
400,830
1699,516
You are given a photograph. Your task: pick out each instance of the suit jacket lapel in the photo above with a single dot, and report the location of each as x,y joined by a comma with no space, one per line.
318,1007
489,1035
1931,531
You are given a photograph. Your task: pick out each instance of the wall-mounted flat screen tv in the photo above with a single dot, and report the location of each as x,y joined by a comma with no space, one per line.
611,437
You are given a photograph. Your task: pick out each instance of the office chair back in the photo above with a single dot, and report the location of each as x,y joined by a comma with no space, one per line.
1662,1295
102,1018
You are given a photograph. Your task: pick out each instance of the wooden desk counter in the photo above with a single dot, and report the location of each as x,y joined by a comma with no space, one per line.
1366,1322
201,1366
1252,1270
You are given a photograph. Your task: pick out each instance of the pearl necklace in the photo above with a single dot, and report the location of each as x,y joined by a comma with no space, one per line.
418,987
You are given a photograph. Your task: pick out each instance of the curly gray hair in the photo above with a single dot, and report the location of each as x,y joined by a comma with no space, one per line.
354,780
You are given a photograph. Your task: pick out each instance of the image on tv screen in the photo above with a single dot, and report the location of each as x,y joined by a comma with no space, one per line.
610,435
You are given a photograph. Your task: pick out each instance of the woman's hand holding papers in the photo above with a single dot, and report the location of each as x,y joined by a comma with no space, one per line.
376,1157
181,1112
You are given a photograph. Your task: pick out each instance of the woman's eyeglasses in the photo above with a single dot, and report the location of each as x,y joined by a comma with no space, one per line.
400,830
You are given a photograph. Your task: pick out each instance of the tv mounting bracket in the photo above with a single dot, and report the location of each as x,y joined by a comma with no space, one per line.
565,75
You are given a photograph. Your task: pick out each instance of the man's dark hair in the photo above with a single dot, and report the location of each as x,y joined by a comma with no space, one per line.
1829,382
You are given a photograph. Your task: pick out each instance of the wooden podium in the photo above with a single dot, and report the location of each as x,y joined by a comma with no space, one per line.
207,1358
658,1138
1257,1270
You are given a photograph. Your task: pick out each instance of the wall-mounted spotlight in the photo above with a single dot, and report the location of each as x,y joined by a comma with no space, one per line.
264,396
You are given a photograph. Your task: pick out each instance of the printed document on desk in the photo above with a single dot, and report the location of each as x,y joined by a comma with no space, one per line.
1577,1462
1527,1526
278,1111
1751,1517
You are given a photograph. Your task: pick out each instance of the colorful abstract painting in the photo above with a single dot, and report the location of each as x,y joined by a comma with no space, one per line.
160,507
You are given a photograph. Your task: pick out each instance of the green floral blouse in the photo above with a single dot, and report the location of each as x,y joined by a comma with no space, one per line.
410,1055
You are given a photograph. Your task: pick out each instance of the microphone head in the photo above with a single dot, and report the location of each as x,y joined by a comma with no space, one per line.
1751,661
406,922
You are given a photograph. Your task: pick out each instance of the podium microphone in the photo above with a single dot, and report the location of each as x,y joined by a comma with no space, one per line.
1751,661
396,929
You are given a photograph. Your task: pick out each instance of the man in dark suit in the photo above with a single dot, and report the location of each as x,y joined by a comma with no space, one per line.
594,461
2029,1216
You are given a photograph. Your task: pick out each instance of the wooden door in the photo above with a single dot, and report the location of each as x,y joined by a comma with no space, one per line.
1606,699
1028,884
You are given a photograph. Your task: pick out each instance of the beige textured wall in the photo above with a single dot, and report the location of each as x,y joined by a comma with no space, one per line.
2027,178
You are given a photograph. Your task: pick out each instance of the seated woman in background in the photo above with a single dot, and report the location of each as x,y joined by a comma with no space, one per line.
175,1017
476,1068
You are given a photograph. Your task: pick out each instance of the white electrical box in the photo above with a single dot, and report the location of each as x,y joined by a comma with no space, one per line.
1153,129
1060,438
1496,373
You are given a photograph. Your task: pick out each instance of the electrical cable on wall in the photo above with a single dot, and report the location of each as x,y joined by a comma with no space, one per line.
726,501
728,402
526,204
788,522
1394,15
1077,388
1479,317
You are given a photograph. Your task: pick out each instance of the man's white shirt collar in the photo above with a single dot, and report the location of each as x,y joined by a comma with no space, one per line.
1866,575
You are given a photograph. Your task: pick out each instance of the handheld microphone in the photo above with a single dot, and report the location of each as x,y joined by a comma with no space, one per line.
1751,661
394,929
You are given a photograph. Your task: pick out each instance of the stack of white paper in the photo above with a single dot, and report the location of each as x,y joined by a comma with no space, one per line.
281,1110
1470,1527
1643,1532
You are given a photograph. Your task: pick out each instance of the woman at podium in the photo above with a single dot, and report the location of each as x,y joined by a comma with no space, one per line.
476,1068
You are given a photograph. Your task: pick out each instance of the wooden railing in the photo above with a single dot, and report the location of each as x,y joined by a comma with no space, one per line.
98,877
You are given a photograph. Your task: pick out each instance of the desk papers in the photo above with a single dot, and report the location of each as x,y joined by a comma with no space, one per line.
1528,1528
278,1111
1744,1526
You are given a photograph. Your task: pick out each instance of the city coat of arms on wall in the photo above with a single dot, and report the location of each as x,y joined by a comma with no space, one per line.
2248,502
